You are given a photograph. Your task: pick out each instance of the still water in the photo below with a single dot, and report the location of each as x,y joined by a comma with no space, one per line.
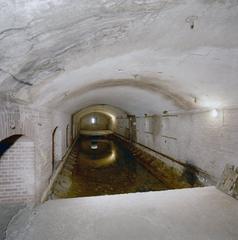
100,166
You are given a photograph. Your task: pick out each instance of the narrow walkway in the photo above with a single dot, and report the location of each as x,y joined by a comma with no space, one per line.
95,132
187,214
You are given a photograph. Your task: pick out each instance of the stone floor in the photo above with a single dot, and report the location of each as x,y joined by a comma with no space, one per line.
187,214
95,133
7,213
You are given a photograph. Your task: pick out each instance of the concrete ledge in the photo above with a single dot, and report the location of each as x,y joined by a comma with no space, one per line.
95,133
56,173
186,214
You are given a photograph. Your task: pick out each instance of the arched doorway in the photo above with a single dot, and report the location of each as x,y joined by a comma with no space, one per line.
6,143
67,136
95,121
53,148
56,147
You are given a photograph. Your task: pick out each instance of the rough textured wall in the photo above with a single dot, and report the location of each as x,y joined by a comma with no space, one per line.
39,126
198,138
103,122
122,126
17,172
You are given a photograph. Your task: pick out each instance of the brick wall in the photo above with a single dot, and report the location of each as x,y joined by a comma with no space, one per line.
17,172
38,125
122,126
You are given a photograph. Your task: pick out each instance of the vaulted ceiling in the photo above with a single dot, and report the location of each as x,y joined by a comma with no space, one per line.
143,56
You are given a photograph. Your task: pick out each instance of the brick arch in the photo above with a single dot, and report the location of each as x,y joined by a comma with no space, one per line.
17,122
6,143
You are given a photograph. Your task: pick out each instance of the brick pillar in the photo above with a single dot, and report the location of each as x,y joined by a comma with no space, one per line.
17,174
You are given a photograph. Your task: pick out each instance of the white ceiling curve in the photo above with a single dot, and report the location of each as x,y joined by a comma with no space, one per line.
108,110
144,56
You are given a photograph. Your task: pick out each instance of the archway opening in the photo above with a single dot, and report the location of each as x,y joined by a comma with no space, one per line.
107,159
95,123
56,148
6,143
67,136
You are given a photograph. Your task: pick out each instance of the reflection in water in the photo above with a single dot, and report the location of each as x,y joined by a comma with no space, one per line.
100,153
94,146
108,168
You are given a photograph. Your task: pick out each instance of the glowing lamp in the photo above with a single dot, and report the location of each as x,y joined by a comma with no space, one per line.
93,120
214,113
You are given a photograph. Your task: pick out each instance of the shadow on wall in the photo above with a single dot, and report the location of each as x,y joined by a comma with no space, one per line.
7,143
190,174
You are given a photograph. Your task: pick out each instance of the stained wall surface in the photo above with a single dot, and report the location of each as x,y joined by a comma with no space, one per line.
200,139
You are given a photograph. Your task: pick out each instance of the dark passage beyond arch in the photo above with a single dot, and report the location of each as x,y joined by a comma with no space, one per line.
7,143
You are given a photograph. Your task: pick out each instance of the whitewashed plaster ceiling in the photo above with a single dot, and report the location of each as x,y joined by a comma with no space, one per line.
100,108
143,56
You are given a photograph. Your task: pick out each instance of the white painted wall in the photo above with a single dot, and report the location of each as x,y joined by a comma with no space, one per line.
197,138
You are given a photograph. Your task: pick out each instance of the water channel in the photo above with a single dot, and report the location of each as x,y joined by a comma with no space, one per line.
100,166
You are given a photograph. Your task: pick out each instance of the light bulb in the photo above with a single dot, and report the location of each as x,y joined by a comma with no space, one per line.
214,113
93,120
